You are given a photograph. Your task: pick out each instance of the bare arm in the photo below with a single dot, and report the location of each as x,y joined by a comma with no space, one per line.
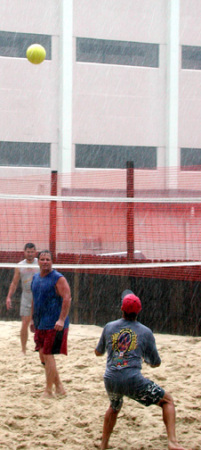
32,327
13,287
63,289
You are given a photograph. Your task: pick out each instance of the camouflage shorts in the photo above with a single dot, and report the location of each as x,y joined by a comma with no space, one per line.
151,394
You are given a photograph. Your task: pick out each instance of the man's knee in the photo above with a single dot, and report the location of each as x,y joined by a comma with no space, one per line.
167,399
48,358
25,321
115,411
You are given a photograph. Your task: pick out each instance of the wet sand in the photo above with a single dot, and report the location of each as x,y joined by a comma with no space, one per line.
75,421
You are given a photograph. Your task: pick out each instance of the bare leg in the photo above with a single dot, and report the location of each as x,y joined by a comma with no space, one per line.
24,332
109,423
168,408
52,376
59,389
41,356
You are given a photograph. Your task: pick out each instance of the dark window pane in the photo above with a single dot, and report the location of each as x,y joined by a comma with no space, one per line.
15,44
21,154
117,52
114,157
190,158
191,57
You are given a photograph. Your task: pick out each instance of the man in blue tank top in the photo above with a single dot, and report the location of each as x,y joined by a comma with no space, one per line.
51,305
128,343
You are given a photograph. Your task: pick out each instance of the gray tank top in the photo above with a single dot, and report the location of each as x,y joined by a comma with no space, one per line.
26,275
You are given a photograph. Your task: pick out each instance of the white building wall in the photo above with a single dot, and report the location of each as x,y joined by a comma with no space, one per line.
29,93
190,80
120,105
140,21
28,101
190,109
110,104
30,16
190,30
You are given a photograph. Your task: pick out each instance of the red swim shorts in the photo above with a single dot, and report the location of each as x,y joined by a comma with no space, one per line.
51,341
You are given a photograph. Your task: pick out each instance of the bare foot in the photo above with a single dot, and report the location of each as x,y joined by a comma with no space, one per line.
103,448
175,446
98,445
60,390
47,394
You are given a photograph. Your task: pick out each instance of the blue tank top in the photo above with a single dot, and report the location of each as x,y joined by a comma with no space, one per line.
47,303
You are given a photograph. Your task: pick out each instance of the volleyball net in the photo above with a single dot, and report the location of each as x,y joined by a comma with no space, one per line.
107,236
119,235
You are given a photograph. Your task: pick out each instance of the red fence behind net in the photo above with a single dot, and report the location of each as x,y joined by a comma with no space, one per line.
104,225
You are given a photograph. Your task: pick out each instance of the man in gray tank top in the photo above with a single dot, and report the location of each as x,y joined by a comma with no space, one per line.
25,274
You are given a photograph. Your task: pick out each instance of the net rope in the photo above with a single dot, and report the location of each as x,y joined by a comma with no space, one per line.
94,267
95,199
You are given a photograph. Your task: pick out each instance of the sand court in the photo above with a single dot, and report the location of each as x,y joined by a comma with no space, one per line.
75,421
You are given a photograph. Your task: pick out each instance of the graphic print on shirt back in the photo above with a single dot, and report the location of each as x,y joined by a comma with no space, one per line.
122,343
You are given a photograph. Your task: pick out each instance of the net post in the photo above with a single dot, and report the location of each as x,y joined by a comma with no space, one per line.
130,211
53,215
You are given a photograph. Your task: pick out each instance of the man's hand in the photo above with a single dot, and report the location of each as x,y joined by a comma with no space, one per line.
59,325
97,353
152,365
8,303
32,327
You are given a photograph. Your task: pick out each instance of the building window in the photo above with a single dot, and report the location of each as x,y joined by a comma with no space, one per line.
117,52
190,159
191,57
14,45
21,154
114,156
